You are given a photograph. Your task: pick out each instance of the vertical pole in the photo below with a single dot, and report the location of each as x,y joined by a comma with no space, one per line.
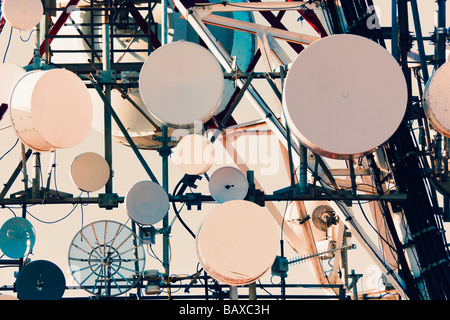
107,91
251,183
164,152
394,36
303,170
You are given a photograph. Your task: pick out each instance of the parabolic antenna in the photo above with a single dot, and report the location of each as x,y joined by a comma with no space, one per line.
22,14
237,242
11,73
181,84
147,203
89,171
50,109
194,154
106,258
228,183
344,96
17,237
40,280
436,100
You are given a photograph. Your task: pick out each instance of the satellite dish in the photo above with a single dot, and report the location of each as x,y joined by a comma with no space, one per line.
89,172
345,104
147,203
40,280
181,83
11,73
194,154
228,183
50,109
237,242
23,14
17,237
436,100
106,258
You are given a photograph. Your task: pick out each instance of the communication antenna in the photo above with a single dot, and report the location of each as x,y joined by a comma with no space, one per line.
90,172
106,258
237,242
17,237
23,14
332,100
147,203
50,109
194,154
188,92
228,183
436,100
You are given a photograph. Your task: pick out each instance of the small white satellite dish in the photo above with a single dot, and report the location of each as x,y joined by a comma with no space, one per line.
89,172
228,183
51,109
194,154
147,203
23,14
237,242
17,237
344,96
11,73
181,83
436,100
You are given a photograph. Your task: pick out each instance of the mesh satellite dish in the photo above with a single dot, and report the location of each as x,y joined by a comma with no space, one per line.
194,154
40,280
344,96
106,258
89,172
181,83
11,73
50,109
228,183
17,237
23,14
436,100
147,203
237,242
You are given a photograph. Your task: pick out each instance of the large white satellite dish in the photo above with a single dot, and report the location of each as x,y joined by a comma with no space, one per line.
344,96
23,14
51,109
436,100
228,183
89,171
147,203
11,73
181,84
237,242
194,154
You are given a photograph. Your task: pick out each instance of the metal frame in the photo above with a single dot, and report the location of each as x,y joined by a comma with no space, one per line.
103,76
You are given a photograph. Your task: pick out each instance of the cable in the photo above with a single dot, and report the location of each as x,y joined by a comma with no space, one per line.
29,36
9,149
7,47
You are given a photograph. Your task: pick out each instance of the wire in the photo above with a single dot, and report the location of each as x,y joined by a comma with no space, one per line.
29,36
9,149
7,47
